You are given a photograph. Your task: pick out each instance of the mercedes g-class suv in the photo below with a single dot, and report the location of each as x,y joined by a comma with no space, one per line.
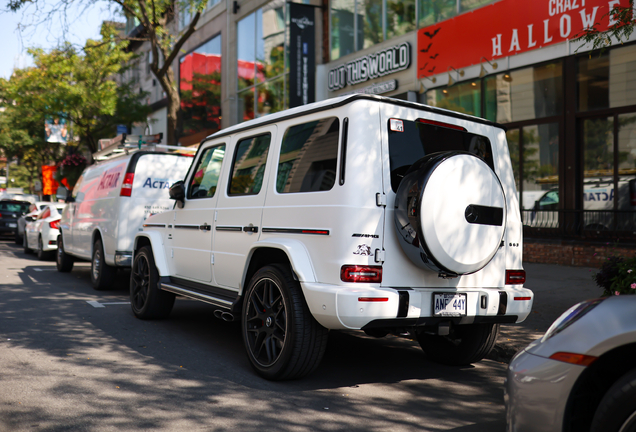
359,212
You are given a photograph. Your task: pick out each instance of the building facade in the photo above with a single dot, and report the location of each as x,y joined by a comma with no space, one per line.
570,113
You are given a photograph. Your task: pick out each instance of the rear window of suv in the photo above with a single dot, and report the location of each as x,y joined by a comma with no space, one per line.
417,139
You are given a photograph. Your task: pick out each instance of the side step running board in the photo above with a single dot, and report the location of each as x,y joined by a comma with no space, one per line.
225,304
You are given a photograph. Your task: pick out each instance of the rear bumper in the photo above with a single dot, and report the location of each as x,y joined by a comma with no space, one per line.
340,307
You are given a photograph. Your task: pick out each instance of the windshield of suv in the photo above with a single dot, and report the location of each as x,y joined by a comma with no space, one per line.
416,140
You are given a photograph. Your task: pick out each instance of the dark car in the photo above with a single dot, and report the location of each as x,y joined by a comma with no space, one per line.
10,211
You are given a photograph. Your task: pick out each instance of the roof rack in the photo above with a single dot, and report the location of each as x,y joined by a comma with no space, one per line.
125,144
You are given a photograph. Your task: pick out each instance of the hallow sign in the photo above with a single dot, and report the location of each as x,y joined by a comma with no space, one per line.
385,62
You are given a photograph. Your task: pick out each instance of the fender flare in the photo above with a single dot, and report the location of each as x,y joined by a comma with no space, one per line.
296,252
156,243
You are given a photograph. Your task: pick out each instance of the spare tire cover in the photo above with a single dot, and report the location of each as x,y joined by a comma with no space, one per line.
450,213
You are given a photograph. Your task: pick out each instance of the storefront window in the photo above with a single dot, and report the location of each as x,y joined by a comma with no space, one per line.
262,61
200,91
541,157
598,148
622,80
464,97
512,136
627,170
593,82
525,94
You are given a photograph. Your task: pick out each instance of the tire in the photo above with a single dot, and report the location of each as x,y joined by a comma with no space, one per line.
17,237
102,275
465,345
25,244
41,253
146,299
617,410
63,261
282,338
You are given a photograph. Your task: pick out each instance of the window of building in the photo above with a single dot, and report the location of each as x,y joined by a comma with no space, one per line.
248,167
607,80
308,157
262,61
431,12
464,97
206,175
186,13
200,91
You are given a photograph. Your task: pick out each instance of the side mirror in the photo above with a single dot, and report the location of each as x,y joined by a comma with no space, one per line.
62,194
177,192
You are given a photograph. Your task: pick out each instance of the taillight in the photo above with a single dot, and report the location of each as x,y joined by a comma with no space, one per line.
515,277
354,273
572,358
126,186
55,224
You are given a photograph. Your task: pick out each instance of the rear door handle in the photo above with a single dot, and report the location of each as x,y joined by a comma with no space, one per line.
205,227
250,228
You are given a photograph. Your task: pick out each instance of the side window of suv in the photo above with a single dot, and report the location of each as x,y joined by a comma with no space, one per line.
206,174
308,157
248,167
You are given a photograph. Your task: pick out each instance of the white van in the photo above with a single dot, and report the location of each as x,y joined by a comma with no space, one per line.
108,205
358,212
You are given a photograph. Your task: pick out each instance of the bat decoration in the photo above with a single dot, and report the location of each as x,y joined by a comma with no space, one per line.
431,70
432,35
434,56
425,50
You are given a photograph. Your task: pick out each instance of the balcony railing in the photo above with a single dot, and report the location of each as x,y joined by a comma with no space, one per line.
587,224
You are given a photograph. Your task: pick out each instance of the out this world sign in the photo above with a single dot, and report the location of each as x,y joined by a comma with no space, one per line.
387,61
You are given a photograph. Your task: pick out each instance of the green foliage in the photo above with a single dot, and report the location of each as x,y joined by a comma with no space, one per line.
617,276
621,30
77,86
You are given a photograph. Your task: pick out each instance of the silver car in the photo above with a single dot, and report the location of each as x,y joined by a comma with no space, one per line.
581,376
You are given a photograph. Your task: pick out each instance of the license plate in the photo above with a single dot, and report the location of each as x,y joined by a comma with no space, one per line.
12,225
449,304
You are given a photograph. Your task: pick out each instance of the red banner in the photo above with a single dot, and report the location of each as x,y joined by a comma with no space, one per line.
49,185
506,28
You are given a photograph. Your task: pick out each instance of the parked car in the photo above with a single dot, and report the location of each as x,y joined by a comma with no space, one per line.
34,210
10,211
41,234
110,202
581,376
357,212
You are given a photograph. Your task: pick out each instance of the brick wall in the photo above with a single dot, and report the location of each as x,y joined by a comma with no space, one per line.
577,254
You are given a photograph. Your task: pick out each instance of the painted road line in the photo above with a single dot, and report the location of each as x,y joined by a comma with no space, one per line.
97,304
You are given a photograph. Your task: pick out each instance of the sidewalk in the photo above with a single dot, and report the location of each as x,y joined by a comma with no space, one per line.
556,288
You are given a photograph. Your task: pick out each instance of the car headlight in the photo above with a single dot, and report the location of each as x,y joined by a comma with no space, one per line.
571,316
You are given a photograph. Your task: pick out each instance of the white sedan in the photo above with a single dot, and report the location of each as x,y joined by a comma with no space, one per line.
34,210
41,234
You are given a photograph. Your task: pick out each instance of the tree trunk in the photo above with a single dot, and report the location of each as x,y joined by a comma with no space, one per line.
174,102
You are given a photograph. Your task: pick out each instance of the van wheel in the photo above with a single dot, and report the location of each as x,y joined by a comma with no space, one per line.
25,244
64,261
282,338
617,410
102,275
465,344
146,299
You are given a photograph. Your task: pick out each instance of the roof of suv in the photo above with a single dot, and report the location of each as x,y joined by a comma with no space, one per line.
338,102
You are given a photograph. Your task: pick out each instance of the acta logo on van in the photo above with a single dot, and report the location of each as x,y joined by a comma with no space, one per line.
109,180
158,183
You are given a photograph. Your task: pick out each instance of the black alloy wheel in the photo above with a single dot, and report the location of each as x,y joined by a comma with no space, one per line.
146,299
282,338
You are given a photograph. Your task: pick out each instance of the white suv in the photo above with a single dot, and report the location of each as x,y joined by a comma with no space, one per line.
108,205
359,212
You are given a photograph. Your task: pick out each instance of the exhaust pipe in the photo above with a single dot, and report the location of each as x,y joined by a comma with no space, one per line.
225,316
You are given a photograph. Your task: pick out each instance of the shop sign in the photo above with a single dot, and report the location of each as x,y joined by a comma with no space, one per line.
302,57
385,62
506,28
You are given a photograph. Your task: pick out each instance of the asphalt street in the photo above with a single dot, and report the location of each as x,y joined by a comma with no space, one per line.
76,359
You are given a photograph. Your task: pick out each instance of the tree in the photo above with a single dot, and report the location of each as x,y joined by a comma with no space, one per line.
155,18
75,86
622,23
